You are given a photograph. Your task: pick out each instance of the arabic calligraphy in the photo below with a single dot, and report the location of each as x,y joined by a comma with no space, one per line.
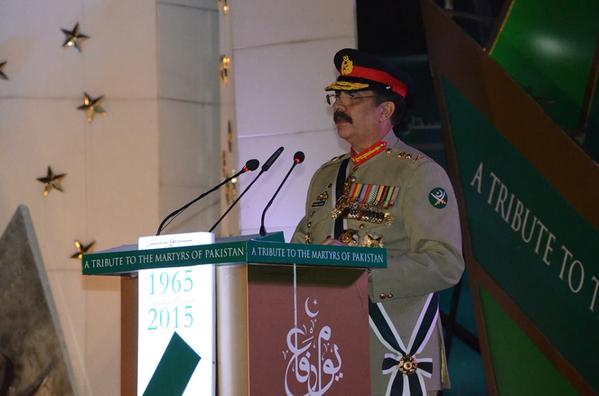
313,360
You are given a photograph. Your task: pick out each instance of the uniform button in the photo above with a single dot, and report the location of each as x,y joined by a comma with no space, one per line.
382,296
389,295
361,226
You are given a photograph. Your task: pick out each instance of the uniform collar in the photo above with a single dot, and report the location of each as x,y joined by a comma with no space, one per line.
389,140
370,152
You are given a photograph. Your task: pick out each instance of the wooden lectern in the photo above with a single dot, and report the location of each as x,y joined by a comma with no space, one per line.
291,319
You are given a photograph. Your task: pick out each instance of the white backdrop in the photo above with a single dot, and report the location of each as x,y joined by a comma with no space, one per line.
156,62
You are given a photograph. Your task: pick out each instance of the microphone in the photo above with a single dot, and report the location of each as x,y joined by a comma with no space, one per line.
265,167
250,165
272,159
298,158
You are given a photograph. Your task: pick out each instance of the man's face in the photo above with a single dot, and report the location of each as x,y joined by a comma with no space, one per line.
356,117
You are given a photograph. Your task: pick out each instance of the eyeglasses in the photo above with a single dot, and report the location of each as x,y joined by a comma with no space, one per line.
346,99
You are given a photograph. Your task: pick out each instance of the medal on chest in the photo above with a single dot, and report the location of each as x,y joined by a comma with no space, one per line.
366,202
363,201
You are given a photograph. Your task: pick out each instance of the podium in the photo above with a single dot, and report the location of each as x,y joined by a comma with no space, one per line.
291,319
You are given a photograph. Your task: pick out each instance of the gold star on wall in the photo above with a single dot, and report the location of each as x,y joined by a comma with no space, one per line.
52,181
82,249
92,106
223,5
2,75
225,65
73,38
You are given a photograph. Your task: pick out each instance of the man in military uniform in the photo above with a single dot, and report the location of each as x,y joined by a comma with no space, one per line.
385,193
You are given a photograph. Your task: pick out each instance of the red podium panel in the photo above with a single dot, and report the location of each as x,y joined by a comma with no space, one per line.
308,339
286,339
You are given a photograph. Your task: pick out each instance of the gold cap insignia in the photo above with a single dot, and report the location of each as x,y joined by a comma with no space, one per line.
346,66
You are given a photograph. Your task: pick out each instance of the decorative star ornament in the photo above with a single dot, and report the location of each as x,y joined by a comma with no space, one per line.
92,106
225,65
2,75
73,38
82,249
52,181
223,5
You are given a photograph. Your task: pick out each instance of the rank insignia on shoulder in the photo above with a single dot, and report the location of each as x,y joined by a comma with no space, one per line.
408,156
438,198
321,199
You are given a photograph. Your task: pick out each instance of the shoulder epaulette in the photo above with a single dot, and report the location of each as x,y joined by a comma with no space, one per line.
334,160
405,155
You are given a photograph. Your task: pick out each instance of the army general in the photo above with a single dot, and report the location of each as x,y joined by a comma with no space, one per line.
385,193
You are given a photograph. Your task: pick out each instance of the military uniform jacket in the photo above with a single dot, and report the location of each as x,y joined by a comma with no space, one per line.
420,231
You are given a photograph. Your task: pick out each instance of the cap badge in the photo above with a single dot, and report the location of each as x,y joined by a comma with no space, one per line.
347,66
438,198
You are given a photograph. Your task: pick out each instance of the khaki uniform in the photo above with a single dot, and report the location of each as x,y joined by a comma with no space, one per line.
420,230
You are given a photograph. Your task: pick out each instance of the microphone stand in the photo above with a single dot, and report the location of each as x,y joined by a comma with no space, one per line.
262,228
171,216
234,202
264,168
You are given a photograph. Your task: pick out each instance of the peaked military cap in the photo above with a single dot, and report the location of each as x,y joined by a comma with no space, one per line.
359,71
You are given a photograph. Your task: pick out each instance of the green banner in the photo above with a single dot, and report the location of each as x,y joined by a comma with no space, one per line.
528,373
532,242
320,255
547,46
111,263
134,260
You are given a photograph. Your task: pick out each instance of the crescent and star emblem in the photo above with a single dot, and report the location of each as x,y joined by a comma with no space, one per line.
438,198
